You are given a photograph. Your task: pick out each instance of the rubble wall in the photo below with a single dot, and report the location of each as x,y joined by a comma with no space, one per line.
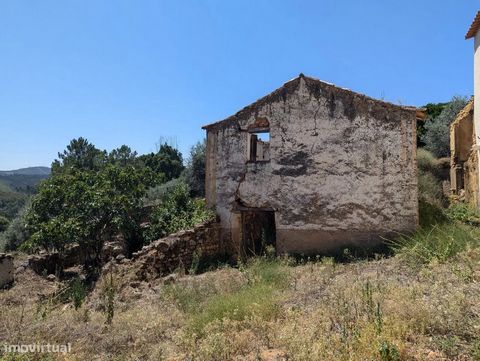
179,251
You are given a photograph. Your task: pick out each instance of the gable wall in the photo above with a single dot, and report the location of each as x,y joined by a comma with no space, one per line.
342,170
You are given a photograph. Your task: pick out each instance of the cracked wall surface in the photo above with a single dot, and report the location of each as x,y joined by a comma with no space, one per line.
464,157
342,169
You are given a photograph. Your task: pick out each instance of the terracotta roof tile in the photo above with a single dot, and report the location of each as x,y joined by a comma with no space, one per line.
474,27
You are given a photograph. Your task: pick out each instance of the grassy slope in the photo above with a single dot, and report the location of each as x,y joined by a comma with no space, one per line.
421,304
385,309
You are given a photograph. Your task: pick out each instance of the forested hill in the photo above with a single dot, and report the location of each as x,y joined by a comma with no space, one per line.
43,171
23,180
16,186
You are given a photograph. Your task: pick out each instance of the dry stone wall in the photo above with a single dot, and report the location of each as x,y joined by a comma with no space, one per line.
179,251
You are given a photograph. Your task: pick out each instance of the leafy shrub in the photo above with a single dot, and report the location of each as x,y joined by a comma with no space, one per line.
437,130
158,194
15,234
432,110
463,213
195,171
178,211
75,291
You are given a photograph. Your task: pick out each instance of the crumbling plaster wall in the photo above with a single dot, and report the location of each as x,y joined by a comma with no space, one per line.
342,169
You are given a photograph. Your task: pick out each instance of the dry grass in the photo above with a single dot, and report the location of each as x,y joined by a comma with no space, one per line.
267,310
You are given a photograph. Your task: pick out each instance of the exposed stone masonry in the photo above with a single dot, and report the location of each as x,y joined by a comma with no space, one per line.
178,251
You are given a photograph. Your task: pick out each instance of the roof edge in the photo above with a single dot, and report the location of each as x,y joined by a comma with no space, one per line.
291,85
472,31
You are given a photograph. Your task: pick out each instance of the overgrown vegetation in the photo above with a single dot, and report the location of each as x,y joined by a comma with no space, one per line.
419,303
94,195
436,129
15,234
445,230
176,211
430,187
267,308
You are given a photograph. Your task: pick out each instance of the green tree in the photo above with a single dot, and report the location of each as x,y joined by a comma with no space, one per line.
168,160
16,232
88,208
123,156
437,130
79,155
3,223
195,171
432,110
176,212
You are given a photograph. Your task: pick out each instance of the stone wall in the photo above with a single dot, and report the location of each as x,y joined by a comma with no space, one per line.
471,180
6,270
463,161
342,169
54,262
179,250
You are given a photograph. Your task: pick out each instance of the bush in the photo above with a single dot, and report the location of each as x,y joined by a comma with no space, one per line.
195,171
177,211
463,213
157,195
15,234
437,130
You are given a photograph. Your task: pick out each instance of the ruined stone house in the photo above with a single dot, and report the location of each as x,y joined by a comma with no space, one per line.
313,168
464,167
463,157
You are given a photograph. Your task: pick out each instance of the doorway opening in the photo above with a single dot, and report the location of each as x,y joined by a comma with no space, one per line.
258,229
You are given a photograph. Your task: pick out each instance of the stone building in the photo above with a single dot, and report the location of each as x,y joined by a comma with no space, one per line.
313,168
464,175
463,157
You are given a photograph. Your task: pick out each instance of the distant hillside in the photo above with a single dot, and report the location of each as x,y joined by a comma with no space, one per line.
43,171
16,186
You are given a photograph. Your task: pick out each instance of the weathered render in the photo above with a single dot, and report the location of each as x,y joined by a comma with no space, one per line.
463,160
472,177
338,171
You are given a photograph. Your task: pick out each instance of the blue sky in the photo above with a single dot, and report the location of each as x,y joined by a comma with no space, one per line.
133,72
